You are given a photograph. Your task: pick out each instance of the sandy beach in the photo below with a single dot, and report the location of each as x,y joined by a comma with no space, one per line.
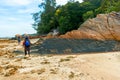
93,66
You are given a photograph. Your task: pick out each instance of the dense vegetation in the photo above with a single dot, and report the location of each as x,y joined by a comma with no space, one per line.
71,15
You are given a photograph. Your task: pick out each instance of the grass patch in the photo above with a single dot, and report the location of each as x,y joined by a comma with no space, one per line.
70,57
67,59
53,71
41,71
72,75
45,62
50,55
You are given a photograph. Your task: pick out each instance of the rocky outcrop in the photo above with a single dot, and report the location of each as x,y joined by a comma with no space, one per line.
60,45
104,26
100,34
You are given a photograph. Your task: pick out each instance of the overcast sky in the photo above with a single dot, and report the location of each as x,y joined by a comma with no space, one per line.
16,18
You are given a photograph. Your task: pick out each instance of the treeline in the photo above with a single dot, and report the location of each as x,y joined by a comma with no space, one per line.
71,15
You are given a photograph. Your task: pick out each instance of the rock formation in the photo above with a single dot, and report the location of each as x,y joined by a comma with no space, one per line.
104,26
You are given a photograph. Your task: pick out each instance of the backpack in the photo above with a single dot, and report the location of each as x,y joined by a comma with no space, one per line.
27,43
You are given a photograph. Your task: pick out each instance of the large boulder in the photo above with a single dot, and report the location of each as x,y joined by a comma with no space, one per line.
104,26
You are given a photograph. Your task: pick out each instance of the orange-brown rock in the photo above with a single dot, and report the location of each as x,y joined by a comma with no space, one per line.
104,26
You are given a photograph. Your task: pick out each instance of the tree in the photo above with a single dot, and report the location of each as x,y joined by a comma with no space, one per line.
45,18
92,5
69,17
88,14
108,6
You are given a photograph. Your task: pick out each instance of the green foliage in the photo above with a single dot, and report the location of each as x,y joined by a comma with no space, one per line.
88,14
109,5
90,6
44,20
114,7
71,15
63,24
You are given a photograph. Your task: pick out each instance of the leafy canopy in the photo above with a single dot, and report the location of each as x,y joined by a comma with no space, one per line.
71,15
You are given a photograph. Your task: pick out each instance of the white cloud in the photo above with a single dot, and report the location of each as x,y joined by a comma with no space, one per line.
16,28
59,2
62,2
17,2
26,10
12,19
27,2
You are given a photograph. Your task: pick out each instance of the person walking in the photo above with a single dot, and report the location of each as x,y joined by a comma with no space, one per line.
27,44
19,40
